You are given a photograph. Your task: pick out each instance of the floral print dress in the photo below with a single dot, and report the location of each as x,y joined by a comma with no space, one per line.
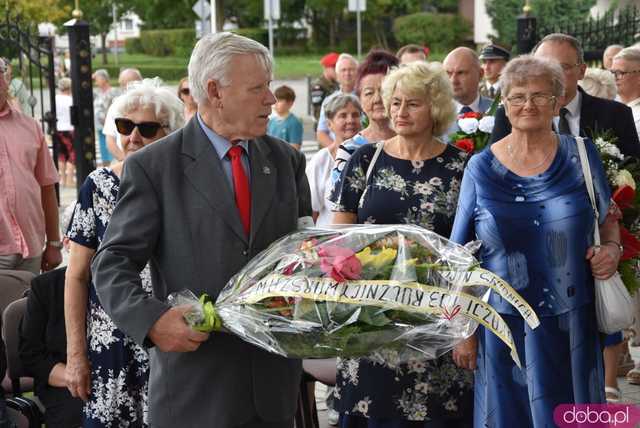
119,367
386,392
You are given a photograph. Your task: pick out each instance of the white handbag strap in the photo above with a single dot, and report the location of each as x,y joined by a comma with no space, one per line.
372,164
588,181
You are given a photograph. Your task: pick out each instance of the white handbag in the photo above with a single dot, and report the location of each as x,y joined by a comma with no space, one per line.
614,306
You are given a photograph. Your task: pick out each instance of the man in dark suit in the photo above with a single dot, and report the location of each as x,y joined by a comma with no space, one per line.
581,114
198,205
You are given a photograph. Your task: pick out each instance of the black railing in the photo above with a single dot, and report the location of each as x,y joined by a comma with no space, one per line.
595,34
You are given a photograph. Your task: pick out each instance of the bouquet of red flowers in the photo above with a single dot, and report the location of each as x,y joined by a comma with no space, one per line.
620,172
475,129
353,291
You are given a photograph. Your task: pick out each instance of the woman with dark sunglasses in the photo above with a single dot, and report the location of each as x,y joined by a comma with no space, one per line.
184,93
105,367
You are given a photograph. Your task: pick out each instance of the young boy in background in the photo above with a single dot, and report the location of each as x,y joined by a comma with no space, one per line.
283,124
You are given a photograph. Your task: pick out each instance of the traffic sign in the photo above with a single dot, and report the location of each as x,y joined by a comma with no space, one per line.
202,9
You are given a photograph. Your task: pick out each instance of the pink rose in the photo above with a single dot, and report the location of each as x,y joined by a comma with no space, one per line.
339,262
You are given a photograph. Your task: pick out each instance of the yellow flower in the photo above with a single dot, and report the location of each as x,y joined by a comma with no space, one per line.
384,257
624,178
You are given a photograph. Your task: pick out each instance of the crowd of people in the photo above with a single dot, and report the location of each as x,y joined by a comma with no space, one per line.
196,182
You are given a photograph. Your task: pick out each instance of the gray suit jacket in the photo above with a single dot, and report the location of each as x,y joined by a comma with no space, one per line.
176,210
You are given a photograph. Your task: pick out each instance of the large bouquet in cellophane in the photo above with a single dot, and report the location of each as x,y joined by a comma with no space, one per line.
358,290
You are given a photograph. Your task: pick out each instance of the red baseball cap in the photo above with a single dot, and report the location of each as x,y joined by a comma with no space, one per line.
329,60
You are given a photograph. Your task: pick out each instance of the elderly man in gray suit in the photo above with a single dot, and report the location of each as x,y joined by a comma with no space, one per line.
198,205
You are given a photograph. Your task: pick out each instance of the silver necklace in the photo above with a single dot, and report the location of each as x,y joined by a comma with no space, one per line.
512,155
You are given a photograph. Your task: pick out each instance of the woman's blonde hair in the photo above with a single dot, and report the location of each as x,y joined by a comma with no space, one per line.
428,81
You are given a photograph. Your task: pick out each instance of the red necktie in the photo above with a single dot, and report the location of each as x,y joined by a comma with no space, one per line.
241,185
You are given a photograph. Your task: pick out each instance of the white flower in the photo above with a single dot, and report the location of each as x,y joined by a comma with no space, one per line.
422,188
611,150
362,406
624,178
486,124
416,366
435,181
468,125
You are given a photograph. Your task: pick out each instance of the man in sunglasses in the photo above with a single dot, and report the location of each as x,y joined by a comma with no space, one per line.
198,205
29,234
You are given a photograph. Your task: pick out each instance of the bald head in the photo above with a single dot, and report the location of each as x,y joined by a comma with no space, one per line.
465,72
127,76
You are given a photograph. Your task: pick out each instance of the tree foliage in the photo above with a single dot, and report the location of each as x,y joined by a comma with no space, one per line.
441,32
549,13
36,11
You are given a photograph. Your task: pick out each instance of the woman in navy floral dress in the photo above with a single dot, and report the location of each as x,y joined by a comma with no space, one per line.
104,366
415,179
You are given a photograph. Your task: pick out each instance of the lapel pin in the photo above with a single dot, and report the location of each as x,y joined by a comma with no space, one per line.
266,170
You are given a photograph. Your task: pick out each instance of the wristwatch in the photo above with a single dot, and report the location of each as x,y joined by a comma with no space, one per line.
54,244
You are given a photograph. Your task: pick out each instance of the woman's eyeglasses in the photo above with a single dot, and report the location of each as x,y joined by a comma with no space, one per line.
146,129
538,100
185,91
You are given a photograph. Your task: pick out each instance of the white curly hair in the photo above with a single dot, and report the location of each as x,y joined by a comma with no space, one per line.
151,94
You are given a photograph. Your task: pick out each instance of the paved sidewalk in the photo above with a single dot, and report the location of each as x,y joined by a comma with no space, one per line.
630,393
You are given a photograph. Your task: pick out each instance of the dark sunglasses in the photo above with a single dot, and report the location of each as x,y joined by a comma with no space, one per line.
185,91
146,129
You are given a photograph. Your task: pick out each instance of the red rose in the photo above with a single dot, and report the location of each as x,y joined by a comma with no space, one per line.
471,115
630,244
465,144
624,197
340,263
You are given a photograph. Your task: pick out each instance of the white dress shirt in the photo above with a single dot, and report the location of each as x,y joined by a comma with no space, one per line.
635,109
573,117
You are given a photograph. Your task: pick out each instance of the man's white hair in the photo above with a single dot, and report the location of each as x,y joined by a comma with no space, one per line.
212,56
629,54
150,94
346,57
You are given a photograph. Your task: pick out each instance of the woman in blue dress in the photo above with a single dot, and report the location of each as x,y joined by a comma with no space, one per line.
525,199
105,367
415,179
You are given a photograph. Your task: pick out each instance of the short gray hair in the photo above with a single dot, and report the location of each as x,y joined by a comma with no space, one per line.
522,69
599,83
563,38
212,55
346,57
150,94
340,101
102,73
629,54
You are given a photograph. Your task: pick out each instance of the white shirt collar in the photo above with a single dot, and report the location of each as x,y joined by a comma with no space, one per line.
475,105
634,103
574,105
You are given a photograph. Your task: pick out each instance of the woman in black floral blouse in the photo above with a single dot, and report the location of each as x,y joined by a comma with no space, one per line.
415,179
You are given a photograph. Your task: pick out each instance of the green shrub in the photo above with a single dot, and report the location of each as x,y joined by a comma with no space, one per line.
260,35
439,31
168,73
176,42
133,45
